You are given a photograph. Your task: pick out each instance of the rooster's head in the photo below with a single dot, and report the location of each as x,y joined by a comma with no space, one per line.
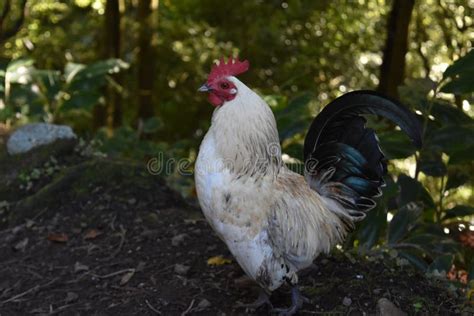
221,89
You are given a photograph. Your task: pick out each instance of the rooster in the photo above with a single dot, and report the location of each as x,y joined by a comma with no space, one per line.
275,222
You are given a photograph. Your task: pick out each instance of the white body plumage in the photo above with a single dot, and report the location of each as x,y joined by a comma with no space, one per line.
271,220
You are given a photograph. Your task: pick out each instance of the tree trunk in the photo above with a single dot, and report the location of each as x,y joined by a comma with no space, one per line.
111,114
8,32
392,70
145,61
112,47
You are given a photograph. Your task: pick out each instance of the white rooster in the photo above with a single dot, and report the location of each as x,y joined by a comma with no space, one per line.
276,222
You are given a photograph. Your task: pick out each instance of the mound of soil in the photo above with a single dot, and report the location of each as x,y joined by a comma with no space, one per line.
104,237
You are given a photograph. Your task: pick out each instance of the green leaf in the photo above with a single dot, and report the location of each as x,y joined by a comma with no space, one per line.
433,168
459,211
461,155
71,70
415,91
414,259
452,138
430,162
81,101
456,178
372,227
152,125
462,85
432,244
442,263
448,114
446,246
463,65
396,145
19,64
412,191
100,68
423,239
294,118
48,82
19,71
403,221
432,229
461,73
92,76
6,113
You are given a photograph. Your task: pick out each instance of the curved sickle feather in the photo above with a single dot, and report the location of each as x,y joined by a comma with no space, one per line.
362,102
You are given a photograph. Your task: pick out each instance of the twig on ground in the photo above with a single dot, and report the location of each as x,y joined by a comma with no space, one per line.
188,309
165,268
33,289
152,308
122,234
61,308
39,214
305,311
113,273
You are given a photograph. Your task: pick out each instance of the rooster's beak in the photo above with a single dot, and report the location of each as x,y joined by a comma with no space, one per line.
204,88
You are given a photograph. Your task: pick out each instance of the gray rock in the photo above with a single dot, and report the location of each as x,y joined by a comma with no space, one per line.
181,269
34,135
178,240
387,308
347,301
203,304
71,297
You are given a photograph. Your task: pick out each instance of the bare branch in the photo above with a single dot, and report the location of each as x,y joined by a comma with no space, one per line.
421,37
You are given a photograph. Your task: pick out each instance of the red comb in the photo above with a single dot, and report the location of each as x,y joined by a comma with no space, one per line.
233,67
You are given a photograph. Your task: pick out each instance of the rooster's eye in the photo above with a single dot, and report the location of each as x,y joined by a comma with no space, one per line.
224,85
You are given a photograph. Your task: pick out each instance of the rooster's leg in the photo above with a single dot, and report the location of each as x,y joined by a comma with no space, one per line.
263,299
297,300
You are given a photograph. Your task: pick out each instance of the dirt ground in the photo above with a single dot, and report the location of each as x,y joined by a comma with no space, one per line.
94,236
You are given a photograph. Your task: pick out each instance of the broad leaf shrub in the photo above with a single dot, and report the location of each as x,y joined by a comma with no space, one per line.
31,94
425,216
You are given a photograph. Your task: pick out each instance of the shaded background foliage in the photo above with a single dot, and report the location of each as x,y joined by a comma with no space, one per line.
124,73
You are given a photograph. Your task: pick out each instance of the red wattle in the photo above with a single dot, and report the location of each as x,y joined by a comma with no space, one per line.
215,100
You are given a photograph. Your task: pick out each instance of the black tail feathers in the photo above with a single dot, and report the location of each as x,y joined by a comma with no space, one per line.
343,159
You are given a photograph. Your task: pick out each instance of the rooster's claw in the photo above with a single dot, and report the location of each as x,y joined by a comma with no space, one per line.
263,299
297,301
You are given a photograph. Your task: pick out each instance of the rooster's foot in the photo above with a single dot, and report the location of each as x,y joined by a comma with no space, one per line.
297,301
263,299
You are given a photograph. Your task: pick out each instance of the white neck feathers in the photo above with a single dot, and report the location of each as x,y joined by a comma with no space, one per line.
246,134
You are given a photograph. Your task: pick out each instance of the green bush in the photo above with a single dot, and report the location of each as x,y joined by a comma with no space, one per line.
49,95
421,217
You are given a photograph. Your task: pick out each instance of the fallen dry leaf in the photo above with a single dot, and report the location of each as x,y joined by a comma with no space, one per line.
80,267
58,237
29,223
21,245
218,261
92,234
126,277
